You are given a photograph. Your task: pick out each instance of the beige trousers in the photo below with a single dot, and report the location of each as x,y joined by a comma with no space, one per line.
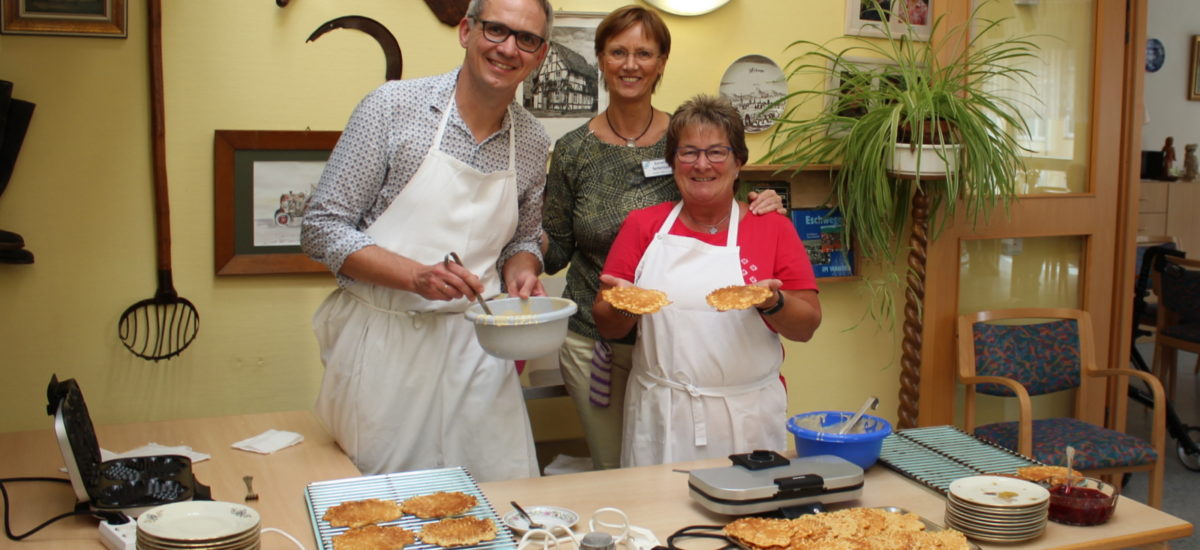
601,425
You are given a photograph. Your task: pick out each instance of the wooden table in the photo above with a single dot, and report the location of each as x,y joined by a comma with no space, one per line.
279,478
654,497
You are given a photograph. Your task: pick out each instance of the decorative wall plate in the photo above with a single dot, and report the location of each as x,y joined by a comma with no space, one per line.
1155,55
753,83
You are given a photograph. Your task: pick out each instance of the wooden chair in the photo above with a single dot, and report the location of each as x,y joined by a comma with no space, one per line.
1034,351
1177,285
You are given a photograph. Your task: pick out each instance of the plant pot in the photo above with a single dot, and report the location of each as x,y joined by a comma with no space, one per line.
934,160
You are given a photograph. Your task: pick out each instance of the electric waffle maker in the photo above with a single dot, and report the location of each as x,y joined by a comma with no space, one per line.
767,482
129,485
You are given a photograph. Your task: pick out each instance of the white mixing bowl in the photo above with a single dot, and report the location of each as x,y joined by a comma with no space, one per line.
522,329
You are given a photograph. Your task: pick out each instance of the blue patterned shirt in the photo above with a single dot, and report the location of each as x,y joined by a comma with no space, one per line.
382,146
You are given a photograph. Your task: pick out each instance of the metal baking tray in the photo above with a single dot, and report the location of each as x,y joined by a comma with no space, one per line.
323,495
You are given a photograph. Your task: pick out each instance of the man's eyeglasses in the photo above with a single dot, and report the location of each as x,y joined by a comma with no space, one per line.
499,32
620,55
715,154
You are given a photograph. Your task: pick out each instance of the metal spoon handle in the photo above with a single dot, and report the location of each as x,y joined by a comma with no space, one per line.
532,524
478,298
871,403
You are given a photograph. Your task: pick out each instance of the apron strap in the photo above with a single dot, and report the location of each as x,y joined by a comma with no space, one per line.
730,236
416,317
699,419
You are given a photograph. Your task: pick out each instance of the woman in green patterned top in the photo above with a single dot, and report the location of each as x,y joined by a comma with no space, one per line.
599,172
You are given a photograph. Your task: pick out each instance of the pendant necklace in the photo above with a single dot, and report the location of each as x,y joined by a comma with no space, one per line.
630,142
712,228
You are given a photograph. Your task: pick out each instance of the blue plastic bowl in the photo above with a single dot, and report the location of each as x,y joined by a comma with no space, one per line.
860,448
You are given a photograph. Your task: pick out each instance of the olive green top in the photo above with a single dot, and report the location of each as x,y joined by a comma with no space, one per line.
591,187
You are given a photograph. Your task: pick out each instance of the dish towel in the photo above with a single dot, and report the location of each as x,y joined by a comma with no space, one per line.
269,441
600,388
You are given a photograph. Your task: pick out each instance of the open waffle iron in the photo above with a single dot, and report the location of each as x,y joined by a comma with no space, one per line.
130,485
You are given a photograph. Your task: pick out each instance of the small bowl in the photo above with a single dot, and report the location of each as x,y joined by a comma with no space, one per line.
522,329
812,432
1086,501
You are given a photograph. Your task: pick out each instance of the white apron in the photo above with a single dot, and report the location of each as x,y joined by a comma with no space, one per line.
406,384
704,384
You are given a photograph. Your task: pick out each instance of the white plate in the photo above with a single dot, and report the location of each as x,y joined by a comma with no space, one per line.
548,516
999,491
198,520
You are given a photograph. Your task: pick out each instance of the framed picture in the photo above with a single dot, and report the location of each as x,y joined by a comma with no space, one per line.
263,182
102,18
868,17
566,91
1194,79
855,71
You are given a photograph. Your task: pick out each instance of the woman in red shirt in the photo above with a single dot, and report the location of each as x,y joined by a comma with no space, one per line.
706,383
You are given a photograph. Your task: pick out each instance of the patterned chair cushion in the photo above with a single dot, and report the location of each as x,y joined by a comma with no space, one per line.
1095,447
1044,357
1181,292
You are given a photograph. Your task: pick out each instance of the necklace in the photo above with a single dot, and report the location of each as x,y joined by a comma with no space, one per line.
712,228
630,142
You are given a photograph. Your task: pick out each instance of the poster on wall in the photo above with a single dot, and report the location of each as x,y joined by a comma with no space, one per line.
566,91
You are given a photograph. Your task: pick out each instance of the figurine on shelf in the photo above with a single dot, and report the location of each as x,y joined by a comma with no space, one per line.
1189,162
1168,151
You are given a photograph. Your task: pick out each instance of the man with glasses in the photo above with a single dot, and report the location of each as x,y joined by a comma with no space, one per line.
426,167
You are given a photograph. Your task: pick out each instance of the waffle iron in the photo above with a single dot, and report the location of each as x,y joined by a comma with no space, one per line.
767,482
129,485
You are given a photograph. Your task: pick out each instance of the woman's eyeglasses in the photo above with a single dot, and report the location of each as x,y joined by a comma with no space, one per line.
499,32
620,55
715,154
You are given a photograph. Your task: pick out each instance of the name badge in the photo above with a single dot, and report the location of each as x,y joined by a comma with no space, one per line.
656,167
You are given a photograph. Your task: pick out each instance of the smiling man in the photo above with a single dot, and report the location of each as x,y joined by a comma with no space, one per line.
426,167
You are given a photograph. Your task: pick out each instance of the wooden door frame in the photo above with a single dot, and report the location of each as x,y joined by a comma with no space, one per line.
1112,181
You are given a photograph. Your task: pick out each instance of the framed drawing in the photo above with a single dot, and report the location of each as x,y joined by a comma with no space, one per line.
101,18
867,18
566,91
263,180
1194,73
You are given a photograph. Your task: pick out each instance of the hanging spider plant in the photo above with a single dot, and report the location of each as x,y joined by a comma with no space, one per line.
898,90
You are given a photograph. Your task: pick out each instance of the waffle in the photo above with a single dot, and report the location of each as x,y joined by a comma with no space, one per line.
636,300
738,297
374,537
356,513
463,531
439,505
851,528
1052,474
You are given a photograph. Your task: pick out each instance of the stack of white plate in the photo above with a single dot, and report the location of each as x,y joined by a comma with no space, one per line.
997,508
196,524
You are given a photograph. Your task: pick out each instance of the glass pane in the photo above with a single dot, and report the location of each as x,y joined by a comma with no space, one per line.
1008,273
1056,99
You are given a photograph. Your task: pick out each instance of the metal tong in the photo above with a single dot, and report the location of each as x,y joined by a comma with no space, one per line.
478,298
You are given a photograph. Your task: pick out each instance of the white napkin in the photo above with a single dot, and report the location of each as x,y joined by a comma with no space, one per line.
154,449
269,441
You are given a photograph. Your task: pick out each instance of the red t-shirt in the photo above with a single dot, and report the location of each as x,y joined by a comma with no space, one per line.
770,247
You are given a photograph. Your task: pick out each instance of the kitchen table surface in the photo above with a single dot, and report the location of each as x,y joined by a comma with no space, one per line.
655,497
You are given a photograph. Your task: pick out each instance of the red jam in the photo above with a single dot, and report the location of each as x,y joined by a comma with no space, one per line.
1080,505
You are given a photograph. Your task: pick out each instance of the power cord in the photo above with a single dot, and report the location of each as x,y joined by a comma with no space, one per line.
80,509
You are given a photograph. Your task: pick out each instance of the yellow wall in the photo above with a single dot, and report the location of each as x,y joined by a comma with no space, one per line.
81,197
